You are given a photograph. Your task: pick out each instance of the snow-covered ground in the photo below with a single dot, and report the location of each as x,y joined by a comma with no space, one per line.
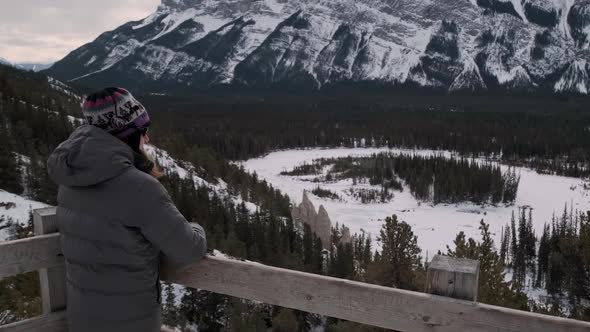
18,211
435,226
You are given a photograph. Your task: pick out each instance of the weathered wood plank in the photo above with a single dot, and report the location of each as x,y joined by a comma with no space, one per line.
30,254
54,322
53,280
365,303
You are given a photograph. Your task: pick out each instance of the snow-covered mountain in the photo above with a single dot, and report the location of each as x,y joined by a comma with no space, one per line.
27,65
5,62
458,45
34,66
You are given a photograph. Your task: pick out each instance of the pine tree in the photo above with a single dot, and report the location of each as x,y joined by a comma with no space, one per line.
341,258
519,265
531,243
584,250
285,321
10,171
555,266
513,238
463,248
505,245
170,315
543,257
308,245
492,287
317,258
244,316
400,263
202,308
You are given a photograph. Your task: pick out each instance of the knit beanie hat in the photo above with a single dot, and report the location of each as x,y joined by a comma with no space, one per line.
116,111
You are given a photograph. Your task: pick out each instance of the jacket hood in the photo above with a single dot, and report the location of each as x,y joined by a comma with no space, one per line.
88,157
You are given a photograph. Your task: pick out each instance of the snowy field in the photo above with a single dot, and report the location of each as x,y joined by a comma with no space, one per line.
435,226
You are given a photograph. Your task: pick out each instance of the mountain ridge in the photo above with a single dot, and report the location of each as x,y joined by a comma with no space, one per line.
465,45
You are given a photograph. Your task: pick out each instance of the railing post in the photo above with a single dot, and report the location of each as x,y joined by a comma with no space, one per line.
453,277
53,280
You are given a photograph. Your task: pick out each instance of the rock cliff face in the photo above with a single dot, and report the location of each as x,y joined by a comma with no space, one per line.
305,213
323,225
459,45
319,222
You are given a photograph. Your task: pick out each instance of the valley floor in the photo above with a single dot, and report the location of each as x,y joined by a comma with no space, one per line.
435,226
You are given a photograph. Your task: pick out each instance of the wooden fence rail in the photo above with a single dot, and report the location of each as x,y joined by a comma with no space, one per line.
364,303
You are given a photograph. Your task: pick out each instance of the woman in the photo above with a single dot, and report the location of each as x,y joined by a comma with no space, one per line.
117,222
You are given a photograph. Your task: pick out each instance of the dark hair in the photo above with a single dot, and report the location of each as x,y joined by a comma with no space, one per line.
133,141
141,161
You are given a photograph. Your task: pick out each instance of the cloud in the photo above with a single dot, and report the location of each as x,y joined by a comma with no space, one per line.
47,30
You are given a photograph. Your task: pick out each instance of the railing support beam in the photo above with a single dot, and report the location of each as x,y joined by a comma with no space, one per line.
53,280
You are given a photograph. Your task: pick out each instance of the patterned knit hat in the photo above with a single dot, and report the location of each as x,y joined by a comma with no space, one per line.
116,111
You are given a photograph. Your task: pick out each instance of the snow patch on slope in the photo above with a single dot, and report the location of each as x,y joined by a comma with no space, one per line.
574,79
469,79
210,22
174,19
147,21
121,51
274,5
62,87
18,211
520,78
162,60
565,6
393,61
185,170
163,158
255,35
519,9
91,61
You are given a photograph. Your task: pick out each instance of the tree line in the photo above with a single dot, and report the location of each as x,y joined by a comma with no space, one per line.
28,133
558,260
433,178
38,89
547,134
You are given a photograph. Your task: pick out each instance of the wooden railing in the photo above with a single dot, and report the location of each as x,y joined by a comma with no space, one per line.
354,301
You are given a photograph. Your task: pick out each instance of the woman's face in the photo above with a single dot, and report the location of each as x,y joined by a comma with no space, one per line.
144,139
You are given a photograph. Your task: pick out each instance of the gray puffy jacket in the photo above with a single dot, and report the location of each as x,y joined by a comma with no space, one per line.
117,224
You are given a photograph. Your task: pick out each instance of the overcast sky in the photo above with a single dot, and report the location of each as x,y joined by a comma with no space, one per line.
42,31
